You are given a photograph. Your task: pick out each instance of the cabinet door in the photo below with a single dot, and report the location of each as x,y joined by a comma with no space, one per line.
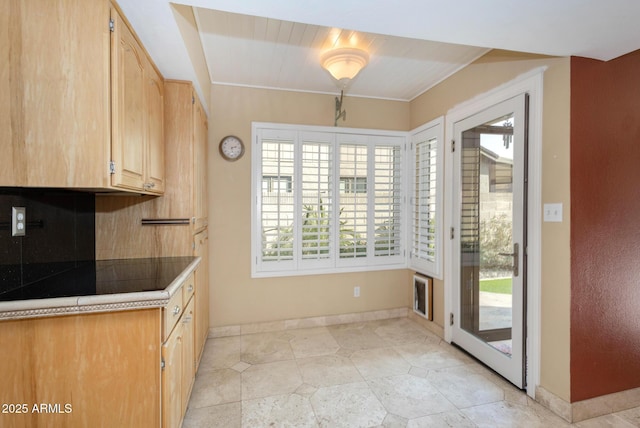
202,291
172,380
200,135
128,107
155,130
188,359
105,365
8,176
54,93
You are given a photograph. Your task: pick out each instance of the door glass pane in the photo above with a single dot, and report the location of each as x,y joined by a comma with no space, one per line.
486,244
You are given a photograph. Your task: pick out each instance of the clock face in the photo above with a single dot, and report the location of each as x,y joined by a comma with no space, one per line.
231,148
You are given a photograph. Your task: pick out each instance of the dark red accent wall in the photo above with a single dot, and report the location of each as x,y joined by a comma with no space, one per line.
605,226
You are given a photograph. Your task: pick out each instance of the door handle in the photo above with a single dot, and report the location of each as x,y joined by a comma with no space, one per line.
516,258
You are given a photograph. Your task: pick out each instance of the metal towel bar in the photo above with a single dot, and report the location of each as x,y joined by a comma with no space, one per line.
164,221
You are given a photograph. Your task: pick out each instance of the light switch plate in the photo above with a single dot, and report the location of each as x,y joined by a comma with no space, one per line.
553,213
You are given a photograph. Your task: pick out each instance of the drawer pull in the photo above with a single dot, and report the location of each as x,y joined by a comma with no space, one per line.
176,310
190,288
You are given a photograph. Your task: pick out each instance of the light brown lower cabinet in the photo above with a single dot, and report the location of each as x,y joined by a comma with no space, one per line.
178,369
172,351
130,368
84,370
201,245
178,353
188,354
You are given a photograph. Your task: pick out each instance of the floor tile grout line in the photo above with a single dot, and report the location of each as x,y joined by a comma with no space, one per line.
509,395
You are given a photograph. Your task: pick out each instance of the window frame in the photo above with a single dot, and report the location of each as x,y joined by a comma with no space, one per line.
300,266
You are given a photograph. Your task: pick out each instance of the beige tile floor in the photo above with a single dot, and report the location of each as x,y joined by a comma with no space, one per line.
389,373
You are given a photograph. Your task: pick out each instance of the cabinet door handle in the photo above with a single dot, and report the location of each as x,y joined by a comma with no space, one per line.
176,310
190,288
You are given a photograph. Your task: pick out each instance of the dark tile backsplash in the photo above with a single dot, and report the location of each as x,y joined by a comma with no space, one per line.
60,234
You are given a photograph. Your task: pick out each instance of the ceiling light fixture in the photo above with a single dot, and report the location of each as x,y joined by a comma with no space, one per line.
344,63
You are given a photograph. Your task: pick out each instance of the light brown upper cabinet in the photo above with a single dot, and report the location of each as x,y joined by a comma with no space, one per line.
186,136
155,170
6,111
58,93
185,190
137,134
200,133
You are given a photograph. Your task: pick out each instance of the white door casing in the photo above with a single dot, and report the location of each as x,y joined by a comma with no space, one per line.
530,83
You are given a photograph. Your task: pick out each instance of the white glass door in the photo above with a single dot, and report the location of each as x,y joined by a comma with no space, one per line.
489,237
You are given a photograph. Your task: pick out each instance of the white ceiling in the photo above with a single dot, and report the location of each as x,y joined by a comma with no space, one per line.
266,52
413,44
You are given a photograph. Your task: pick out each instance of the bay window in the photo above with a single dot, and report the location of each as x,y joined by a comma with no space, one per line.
327,200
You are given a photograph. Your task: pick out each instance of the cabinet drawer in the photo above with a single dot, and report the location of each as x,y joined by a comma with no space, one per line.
188,288
172,313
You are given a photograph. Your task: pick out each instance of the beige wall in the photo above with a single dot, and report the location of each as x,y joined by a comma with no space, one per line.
236,298
488,72
239,299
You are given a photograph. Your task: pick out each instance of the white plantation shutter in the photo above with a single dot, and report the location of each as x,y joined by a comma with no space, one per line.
353,208
388,201
277,202
426,228
326,201
424,208
316,211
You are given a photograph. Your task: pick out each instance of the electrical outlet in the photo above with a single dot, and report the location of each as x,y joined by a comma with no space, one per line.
356,291
18,221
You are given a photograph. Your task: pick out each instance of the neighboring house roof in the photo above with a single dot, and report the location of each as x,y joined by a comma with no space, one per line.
494,157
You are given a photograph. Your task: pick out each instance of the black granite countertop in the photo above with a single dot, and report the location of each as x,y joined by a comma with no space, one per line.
102,277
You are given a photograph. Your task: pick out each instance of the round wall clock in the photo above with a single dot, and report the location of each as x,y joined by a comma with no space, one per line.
231,148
